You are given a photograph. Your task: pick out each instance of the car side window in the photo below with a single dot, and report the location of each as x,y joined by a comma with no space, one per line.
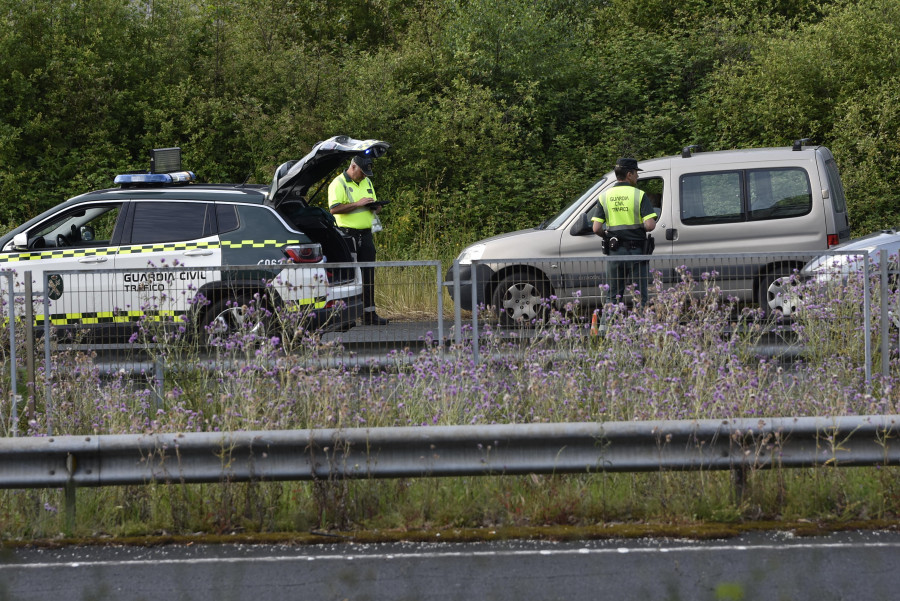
227,218
83,226
156,221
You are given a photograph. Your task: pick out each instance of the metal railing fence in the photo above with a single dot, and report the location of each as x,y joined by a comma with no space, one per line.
740,445
434,312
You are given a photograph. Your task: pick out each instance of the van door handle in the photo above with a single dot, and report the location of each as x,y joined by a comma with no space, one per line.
672,234
92,259
200,252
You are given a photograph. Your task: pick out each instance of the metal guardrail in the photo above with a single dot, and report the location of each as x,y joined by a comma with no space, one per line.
738,444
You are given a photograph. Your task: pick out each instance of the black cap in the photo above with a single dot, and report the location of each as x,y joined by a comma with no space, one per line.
630,164
364,163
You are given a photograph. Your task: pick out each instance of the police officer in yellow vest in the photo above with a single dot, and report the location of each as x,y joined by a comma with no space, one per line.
624,217
352,201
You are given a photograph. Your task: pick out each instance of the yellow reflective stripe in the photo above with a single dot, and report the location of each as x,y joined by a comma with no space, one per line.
231,244
75,253
173,246
305,304
69,319
69,253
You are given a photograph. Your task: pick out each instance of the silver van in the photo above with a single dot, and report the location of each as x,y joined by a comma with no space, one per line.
762,200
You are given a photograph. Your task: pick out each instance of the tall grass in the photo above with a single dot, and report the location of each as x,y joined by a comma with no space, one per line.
689,355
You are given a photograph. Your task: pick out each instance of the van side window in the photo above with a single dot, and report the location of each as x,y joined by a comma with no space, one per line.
746,195
653,190
778,193
711,198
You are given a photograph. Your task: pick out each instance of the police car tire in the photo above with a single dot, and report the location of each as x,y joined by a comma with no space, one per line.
243,313
521,298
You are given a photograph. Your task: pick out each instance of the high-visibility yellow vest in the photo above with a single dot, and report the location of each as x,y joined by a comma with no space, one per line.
343,190
622,208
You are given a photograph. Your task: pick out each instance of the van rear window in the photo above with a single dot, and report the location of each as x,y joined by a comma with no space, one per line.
744,195
838,201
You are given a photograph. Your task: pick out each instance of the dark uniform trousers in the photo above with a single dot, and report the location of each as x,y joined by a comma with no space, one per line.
621,274
365,252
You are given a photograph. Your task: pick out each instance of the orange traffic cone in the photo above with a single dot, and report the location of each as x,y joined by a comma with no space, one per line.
594,324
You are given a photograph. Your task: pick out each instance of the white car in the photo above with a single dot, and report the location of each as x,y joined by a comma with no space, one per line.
159,241
786,294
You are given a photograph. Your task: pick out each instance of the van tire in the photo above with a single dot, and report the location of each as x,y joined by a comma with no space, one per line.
779,293
521,299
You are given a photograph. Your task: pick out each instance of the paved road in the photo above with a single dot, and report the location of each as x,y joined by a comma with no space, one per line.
763,566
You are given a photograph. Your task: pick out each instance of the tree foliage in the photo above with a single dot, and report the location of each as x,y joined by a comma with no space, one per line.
499,112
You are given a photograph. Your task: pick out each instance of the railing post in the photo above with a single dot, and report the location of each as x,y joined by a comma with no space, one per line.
885,318
457,309
13,386
867,323
48,370
160,379
70,488
29,345
474,280
440,306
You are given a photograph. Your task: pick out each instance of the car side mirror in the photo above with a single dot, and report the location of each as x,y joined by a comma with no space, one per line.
20,241
582,226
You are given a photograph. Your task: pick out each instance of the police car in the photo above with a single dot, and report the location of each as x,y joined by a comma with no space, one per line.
165,248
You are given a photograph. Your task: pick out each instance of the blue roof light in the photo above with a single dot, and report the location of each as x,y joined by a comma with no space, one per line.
179,177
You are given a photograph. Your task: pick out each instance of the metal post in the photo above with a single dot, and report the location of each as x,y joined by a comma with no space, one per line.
440,307
885,301
29,344
70,488
867,323
457,312
13,387
160,383
48,366
474,276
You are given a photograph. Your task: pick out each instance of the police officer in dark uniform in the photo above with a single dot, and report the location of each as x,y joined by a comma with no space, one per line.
624,218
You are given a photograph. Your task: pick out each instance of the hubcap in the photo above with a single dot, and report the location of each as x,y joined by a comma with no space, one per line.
521,302
784,296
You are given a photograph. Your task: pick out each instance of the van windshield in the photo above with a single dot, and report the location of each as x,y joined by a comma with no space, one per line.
564,215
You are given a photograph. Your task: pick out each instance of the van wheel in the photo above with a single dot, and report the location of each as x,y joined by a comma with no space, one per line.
780,293
244,314
521,298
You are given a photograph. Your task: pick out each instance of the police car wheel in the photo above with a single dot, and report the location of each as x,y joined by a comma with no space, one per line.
521,298
244,315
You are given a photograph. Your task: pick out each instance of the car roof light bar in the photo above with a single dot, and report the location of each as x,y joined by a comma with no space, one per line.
131,179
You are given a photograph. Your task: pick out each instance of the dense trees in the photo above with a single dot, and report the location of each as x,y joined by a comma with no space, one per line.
499,111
